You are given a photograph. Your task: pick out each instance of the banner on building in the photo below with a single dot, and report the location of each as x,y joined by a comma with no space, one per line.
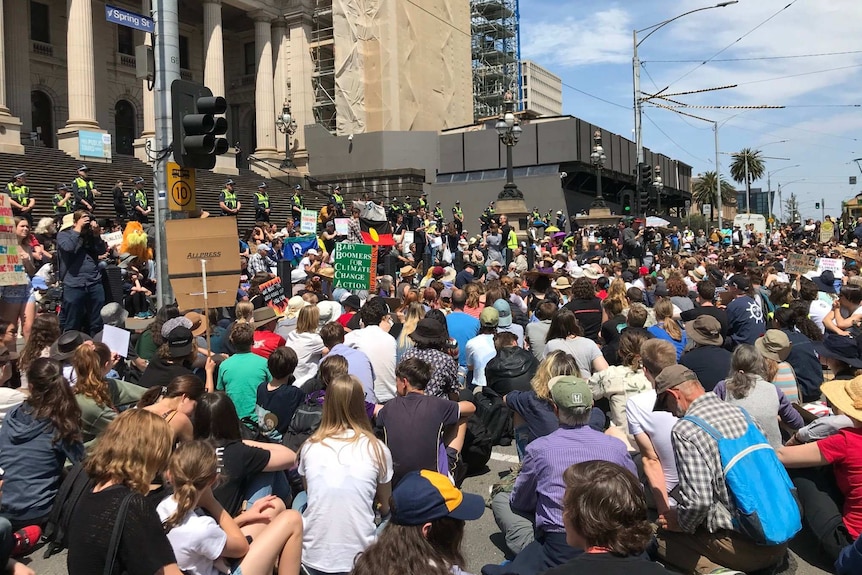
94,144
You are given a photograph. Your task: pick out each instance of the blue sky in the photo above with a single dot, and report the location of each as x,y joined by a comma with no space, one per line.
588,43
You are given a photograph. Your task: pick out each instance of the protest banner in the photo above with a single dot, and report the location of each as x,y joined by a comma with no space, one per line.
342,226
836,266
308,222
827,232
11,268
353,266
212,240
113,239
273,295
800,263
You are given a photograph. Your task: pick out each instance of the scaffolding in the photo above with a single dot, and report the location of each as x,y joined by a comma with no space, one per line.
496,55
322,47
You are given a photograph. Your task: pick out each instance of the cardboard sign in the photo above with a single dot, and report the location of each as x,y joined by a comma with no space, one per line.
827,232
353,266
833,265
800,263
274,296
214,240
308,222
11,269
113,239
342,227
181,188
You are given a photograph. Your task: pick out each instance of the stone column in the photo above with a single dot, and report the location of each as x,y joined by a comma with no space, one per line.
80,65
263,102
10,127
16,57
214,72
301,92
279,81
148,102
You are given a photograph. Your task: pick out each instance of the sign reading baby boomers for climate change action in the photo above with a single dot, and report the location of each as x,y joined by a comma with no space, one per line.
354,266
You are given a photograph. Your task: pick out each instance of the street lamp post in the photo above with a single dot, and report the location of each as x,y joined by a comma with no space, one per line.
658,184
598,158
509,129
769,185
636,76
287,126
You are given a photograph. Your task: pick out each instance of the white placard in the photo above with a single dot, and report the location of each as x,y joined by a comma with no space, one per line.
113,239
117,340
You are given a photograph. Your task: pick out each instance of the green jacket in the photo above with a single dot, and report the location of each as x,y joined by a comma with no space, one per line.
95,418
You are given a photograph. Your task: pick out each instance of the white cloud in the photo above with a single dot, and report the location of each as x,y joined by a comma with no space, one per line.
603,37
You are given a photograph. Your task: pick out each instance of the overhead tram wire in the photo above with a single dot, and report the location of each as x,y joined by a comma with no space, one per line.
757,58
674,142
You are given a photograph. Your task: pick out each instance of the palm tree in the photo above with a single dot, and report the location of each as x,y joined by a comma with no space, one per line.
756,165
703,190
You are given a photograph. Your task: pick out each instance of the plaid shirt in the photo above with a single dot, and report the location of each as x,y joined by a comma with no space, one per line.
354,231
258,263
702,490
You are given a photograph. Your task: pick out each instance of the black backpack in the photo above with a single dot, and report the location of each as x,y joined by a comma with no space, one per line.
305,421
71,489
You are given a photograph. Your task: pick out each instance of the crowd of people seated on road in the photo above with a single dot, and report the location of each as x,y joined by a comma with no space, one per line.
685,410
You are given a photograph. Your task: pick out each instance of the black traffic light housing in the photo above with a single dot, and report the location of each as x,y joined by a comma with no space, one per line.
816,205
197,131
644,193
627,202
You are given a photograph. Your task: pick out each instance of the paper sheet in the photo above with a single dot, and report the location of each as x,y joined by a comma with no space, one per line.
117,340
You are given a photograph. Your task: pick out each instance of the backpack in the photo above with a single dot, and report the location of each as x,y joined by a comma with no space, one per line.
71,489
767,508
305,421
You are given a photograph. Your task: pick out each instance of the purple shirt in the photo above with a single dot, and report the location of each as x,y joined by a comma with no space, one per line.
359,365
539,488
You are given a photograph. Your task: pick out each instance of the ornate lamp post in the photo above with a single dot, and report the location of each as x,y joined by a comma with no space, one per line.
598,160
287,126
658,184
509,129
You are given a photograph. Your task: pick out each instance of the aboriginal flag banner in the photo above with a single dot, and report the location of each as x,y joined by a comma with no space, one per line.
376,233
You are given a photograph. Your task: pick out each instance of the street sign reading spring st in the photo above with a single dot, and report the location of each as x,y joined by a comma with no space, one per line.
129,19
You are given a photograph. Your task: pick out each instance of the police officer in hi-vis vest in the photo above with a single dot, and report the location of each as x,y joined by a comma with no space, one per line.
19,194
261,203
296,205
85,190
140,207
228,201
64,202
458,217
336,199
438,215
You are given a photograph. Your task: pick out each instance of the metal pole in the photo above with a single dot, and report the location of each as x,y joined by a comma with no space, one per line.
717,177
510,170
747,188
636,76
769,198
822,209
780,204
599,182
167,60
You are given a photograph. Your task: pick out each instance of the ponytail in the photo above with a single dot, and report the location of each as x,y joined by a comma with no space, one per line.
192,469
189,385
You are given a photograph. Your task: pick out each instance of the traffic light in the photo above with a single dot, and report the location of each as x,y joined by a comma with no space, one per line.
644,192
197,132
816,205
627,202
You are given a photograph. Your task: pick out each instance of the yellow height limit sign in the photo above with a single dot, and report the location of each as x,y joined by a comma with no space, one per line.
181,188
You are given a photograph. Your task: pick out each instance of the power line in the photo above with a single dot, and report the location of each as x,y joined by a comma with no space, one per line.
674,142
753,59
599,98
800,74
720,52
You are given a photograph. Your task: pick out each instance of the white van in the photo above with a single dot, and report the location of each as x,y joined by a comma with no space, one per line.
743,220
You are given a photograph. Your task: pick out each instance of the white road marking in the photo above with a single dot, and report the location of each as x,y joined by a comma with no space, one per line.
504,458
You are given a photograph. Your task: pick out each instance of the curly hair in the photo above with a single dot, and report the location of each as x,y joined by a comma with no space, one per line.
582,288
134,447
404,550
88,367
166,312
45,331
604,505
676,286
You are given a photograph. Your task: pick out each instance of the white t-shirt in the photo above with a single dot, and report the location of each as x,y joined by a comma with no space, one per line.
584,351
342,479
817,311
197,541
381,348
658,426
309,350
480,350
9,399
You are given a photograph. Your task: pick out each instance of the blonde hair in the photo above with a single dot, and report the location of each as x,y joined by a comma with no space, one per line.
555,364
473,291
88,367
664,313
308,320
244,311
617,290
133,448
414,312
192,468
343,410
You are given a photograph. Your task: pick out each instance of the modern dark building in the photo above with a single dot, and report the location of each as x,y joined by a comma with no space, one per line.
761,202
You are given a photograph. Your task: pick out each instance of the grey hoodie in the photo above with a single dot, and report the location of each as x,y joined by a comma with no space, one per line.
32,463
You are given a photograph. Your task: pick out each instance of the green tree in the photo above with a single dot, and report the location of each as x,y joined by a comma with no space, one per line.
756,165
703,190
791,208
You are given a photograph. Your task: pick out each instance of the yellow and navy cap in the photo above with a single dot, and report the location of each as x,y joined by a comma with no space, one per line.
424,496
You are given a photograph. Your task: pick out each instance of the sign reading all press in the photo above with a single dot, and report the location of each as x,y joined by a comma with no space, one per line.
353,266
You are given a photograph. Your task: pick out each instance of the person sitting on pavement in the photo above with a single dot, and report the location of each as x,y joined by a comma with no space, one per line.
359,365
707,358
539,488
700,535
240,374
619,382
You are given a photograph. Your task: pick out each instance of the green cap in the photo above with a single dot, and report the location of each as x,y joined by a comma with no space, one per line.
489,317
568,391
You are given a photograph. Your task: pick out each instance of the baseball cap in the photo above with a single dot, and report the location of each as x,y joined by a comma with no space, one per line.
262,185
740,282
489,317
568,391
138,180
180,341
424,496
504,311
670,377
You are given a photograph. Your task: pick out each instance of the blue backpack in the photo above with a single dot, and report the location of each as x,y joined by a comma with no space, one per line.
767,509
